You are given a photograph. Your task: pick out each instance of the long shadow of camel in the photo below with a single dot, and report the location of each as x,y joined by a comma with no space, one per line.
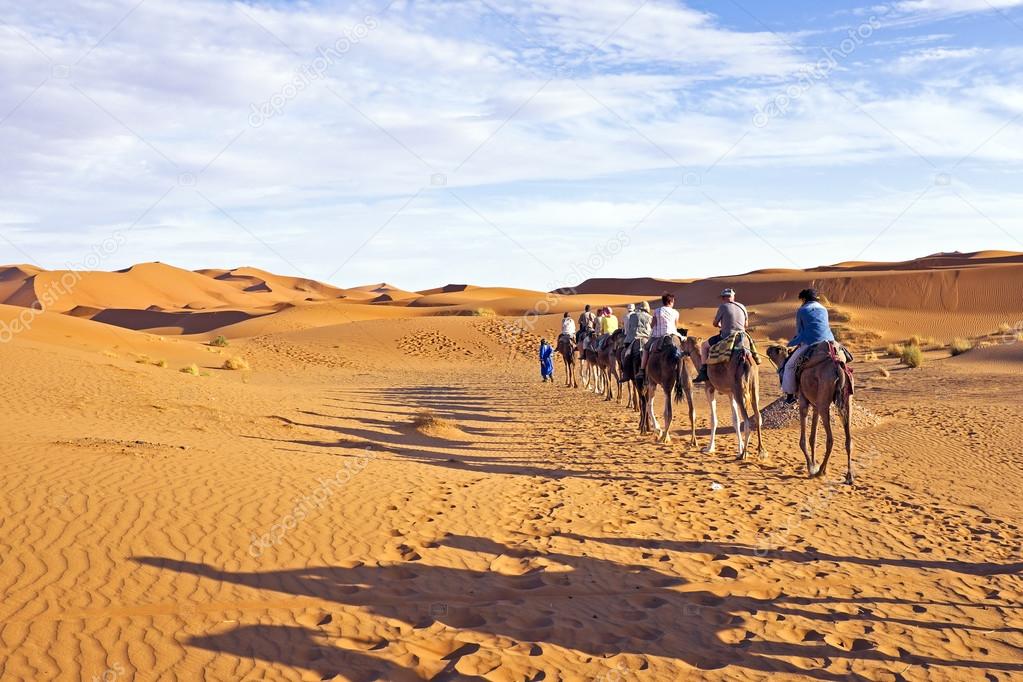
591,605
965,567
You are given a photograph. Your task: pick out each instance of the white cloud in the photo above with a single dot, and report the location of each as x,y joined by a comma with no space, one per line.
448,88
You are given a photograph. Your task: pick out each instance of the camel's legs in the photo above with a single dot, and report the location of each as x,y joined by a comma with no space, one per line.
641,404
829,442
804,407
692,417
651,396
668,414
846,419
754,397
738,423
713,418
813,438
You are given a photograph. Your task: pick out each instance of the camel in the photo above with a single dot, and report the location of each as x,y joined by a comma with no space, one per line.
594,380
566,347
627,367
607,365
823,382
669,368
737,379
588,362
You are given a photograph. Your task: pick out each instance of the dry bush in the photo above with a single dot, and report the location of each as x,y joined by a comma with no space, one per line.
235,363
220,342
960,346
836,315
870,356
160,363
191,369
1004,328
474,312
894,350
425,419
912,356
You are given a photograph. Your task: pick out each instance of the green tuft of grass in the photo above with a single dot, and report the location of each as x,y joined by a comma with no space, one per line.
960,346
236,363
220,342
912,356
191,369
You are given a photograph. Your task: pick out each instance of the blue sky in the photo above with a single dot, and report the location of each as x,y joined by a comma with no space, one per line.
527,143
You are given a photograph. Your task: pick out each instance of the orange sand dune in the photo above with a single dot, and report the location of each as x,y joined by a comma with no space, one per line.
986,284
469,296
385,292
137,287
277,288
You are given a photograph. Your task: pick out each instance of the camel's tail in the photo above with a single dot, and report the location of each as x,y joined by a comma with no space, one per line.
843,387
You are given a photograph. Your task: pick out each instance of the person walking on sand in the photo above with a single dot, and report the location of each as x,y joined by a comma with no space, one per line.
546,361
731,318
812,326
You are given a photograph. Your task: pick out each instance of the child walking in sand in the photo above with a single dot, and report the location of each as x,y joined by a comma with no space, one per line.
546,361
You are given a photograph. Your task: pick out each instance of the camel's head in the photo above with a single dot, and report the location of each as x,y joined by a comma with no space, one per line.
778,355
691,345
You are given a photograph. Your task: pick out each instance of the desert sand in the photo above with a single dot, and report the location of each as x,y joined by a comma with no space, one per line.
386,491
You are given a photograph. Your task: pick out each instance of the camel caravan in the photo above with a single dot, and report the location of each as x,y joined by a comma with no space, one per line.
652,356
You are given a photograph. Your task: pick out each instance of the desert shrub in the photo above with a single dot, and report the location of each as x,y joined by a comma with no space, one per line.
473,312
235,363
220,342
894,350
191,369
912,356
425,418
160,363
914,340
870,356
960,346
1004,328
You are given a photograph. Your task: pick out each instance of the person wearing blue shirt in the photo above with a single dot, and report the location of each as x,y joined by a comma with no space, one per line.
546,361
812,326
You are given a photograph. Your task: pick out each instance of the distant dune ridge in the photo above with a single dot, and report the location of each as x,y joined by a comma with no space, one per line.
974,288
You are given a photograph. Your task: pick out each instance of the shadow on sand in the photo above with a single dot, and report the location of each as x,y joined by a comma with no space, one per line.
590,605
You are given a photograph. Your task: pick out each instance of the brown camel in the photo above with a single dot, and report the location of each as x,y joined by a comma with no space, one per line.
669,368
737,379
823,382
607,365
588,362
566,347
627,368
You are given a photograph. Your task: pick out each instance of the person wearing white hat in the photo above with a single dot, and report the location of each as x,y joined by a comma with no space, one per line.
731,318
